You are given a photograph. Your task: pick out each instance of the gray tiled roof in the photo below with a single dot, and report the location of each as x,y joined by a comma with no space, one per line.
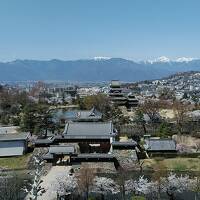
10,137
95,155
128,143
44,141
89,129
61,149
11,148
160,145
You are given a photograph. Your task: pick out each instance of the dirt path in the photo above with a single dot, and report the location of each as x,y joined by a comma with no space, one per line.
50,182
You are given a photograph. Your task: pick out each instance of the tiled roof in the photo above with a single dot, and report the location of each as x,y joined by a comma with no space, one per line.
95,155
160,145
89,129
128,143
61,149
11,148
10,137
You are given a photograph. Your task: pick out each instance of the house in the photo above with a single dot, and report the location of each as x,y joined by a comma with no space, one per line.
124,145
91,136
13,144
160,145
89,130
60,152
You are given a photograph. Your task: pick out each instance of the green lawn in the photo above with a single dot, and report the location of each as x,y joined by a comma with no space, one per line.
19,162
174,164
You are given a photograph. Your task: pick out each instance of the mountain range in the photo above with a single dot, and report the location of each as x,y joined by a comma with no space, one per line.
97,69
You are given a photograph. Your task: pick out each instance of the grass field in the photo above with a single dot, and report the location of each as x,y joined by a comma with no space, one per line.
15,162
174,164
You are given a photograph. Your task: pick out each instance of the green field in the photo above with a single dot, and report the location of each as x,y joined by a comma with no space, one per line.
19,162
173,164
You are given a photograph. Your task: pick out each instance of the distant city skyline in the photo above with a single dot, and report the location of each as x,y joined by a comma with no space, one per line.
71,30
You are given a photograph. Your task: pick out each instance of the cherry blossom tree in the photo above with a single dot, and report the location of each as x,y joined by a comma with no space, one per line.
171,185
142,186
103,186
35,188
65,184
174,184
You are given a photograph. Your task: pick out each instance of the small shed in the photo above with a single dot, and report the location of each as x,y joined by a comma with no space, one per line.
13,144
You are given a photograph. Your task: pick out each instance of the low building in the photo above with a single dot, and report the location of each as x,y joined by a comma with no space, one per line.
87,134
89,131
160,145
60,153
90,136
13,144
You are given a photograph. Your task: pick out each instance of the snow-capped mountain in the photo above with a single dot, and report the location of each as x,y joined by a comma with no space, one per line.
164,59
185,59
101,58
98,69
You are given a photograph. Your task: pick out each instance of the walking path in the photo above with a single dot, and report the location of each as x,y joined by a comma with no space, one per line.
50,181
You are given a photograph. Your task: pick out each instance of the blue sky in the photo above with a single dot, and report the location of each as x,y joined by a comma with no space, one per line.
76,29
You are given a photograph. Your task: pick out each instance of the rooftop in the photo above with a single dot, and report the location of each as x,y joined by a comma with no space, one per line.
9,137
160,145
89,129
128,143
95,155
61,149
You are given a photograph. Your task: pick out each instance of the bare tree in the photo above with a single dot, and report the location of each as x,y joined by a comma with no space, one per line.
160,171
121,180
151,108
85,179
180,111
197,144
